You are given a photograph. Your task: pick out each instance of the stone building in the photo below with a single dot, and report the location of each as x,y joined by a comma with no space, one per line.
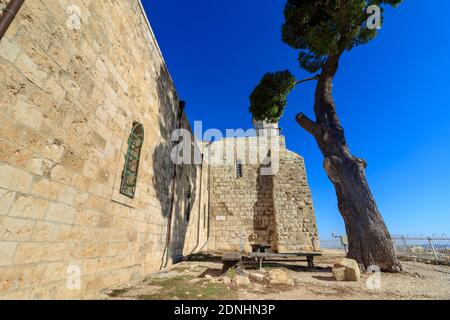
251,207
87,188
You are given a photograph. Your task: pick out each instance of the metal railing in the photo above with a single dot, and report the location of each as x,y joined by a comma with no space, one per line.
434,249
429,249
332,244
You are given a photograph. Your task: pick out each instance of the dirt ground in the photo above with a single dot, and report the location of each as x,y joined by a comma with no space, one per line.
200,278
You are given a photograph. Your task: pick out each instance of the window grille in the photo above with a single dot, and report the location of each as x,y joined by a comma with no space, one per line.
132,158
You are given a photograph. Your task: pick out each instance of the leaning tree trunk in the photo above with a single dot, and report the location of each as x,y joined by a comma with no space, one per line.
369,240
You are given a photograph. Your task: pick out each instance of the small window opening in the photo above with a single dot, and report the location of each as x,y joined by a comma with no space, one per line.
239,170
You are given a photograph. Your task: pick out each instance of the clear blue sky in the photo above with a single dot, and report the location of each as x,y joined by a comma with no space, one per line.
392,95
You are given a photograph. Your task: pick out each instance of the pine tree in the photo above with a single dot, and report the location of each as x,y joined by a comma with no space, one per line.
323,31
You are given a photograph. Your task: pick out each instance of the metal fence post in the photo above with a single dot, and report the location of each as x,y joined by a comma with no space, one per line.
432,247
241,242
406,245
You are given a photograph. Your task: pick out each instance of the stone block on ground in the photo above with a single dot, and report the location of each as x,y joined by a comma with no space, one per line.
256,276
241,281
279,277
226,280
346,270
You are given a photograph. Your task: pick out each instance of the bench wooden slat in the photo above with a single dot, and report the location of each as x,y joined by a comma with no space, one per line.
232,256
283,255
260,256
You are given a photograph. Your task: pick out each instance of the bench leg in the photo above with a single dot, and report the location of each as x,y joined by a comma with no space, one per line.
311,263
260,263
227,265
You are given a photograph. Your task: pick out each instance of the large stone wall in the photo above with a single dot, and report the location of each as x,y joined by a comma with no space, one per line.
295,218
275,210
68,102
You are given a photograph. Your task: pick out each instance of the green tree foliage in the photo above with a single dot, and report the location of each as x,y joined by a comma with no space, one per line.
319,28
269,98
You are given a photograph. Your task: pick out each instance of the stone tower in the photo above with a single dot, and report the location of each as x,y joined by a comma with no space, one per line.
249,207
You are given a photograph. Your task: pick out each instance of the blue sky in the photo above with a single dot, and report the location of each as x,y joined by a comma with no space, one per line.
392,95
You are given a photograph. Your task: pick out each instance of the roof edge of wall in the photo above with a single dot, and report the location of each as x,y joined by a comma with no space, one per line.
154,40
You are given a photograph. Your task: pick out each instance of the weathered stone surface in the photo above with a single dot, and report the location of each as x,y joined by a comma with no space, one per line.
27,115
8,50
6,200
279,277
226,280
29,207
30,70
14,179
7,250
257,276
241,281
60,213
339,273
46,189
15,229
346,270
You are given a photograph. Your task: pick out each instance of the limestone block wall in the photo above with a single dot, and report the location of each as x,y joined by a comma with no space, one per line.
68,102
275,210
190,210
240,209
295,218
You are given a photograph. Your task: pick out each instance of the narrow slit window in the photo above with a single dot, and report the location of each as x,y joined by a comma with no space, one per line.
239,170
189,201
132,158
188,206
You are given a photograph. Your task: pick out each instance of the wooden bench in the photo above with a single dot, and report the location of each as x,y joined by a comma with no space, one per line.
260,248
286,257
230,260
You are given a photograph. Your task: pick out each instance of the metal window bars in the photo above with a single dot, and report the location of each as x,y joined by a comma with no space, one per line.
132,158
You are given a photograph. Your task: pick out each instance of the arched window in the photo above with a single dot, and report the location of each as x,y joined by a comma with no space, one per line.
130,170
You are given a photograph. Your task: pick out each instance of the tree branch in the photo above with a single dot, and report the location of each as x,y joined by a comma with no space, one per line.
316,77
324,103
307,124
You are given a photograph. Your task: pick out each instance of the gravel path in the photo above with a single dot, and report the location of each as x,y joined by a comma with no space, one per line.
419,281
